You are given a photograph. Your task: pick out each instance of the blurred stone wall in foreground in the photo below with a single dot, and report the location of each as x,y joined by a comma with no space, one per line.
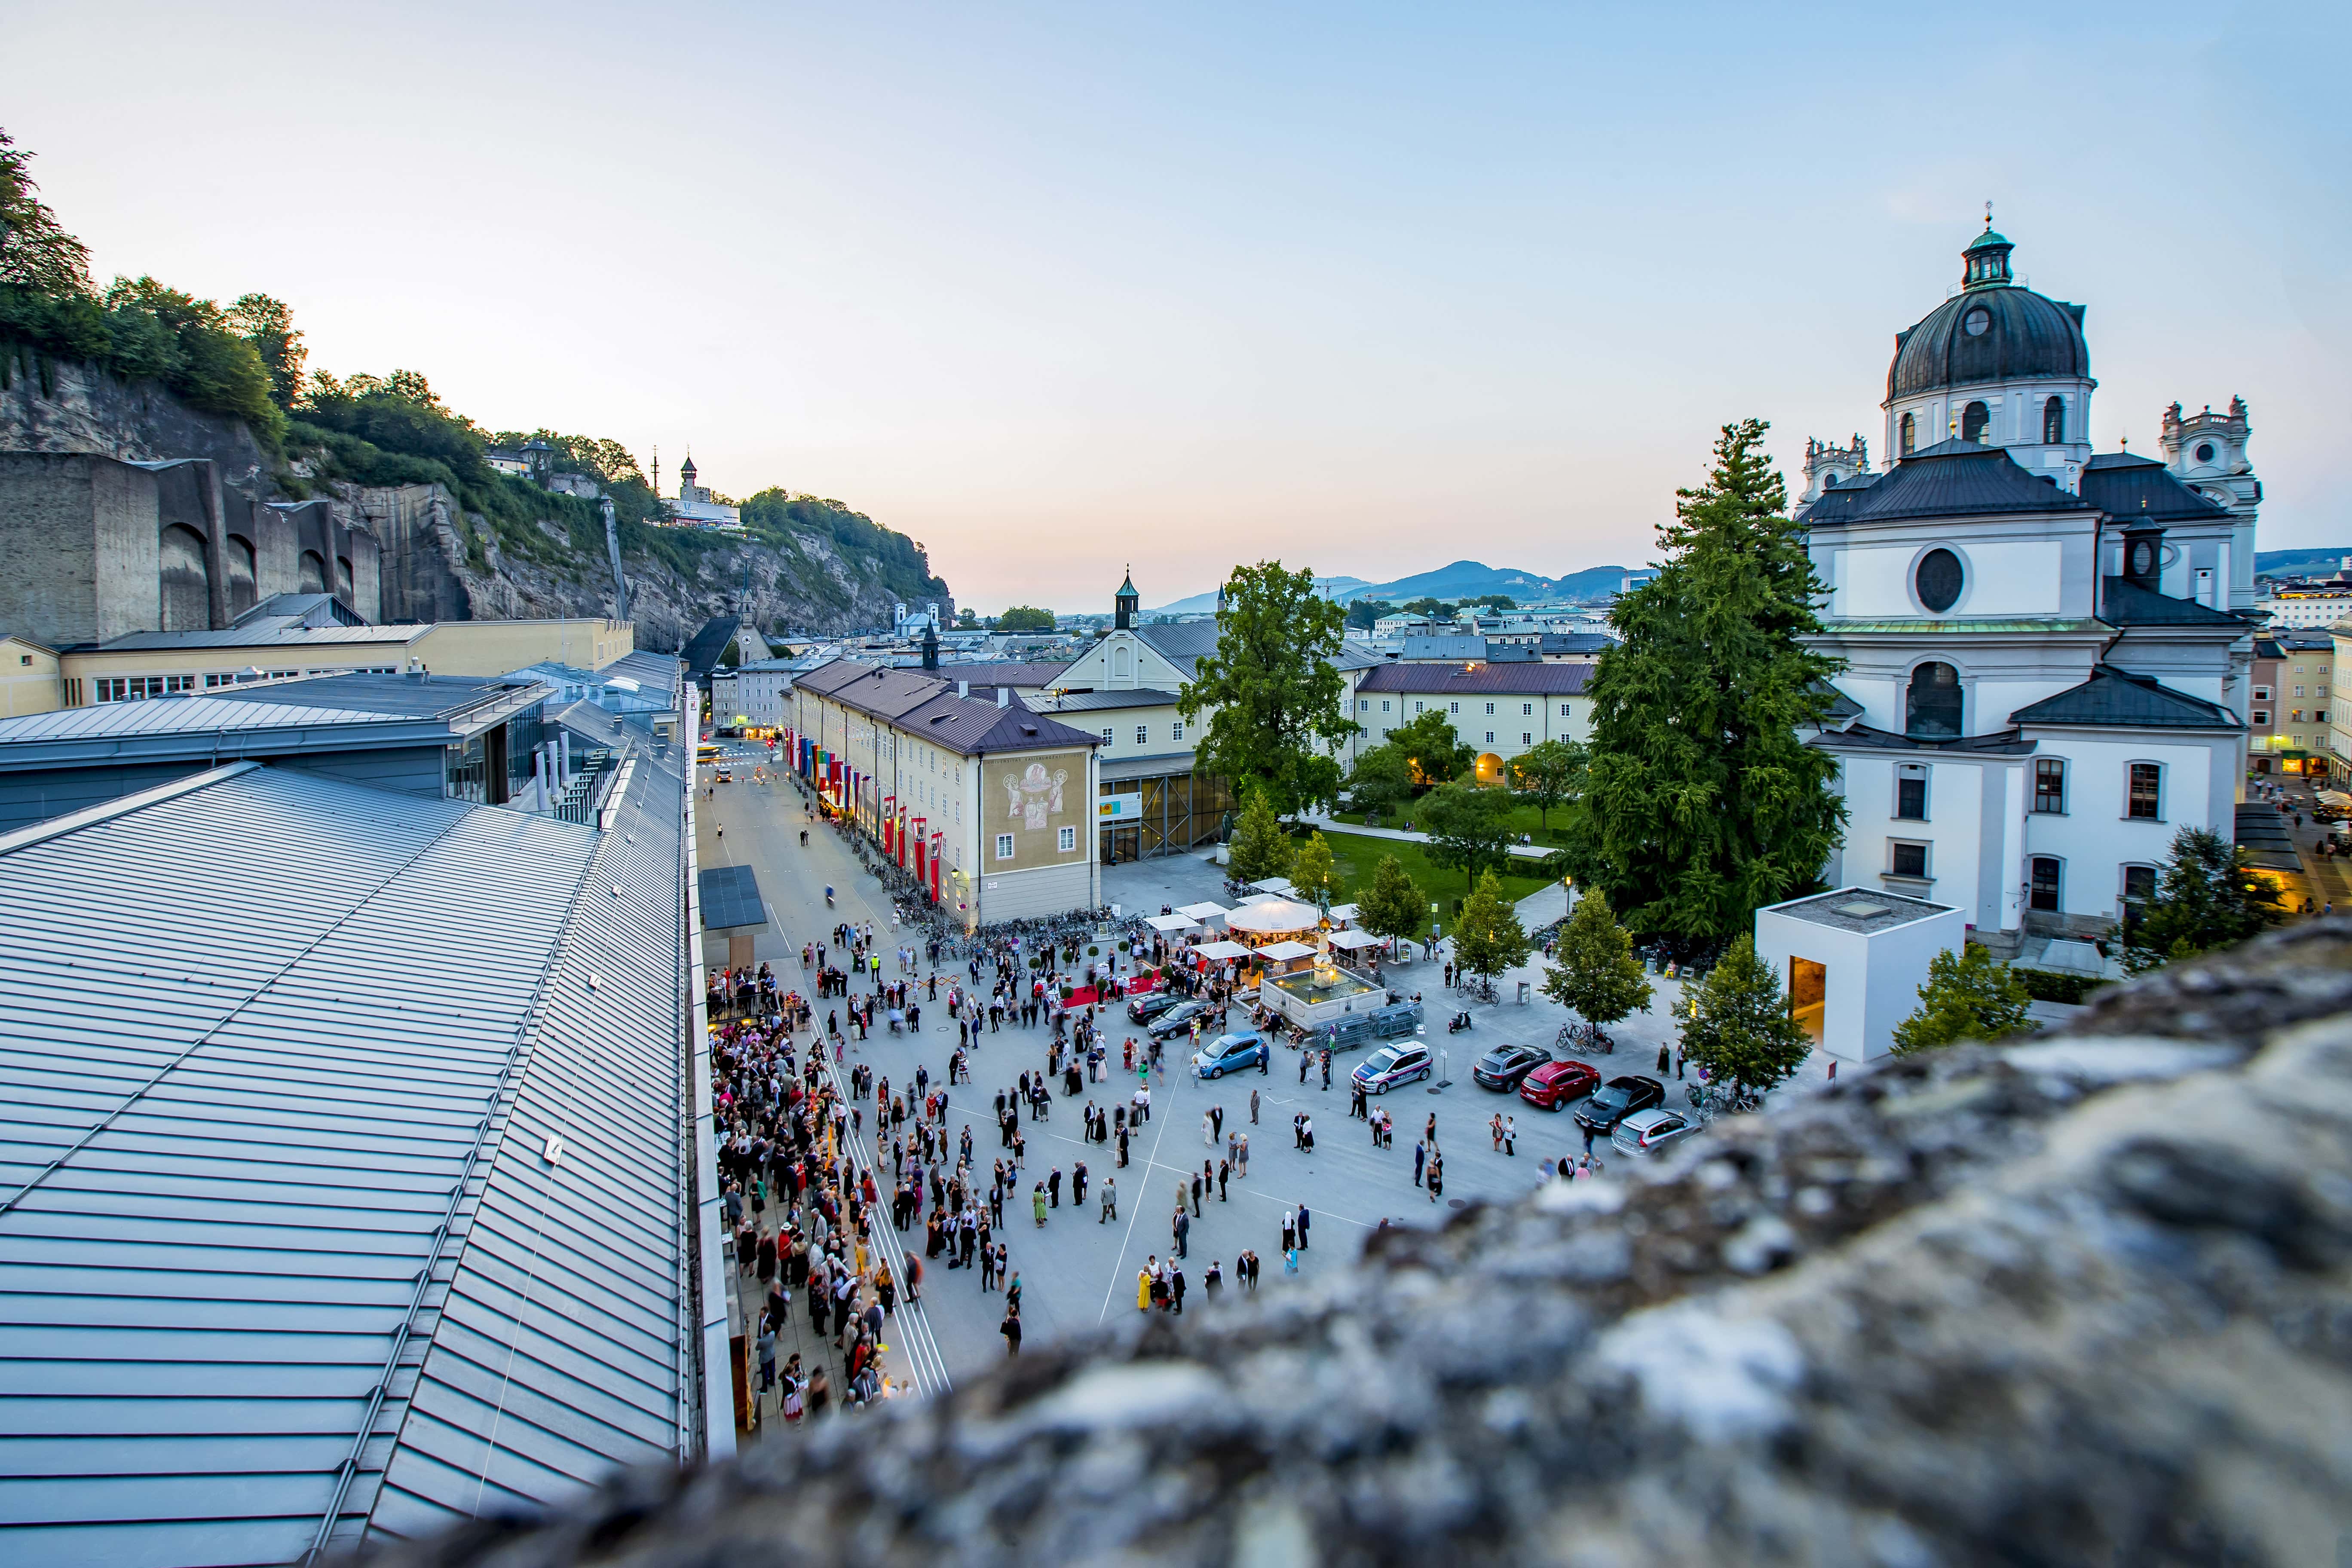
2081,1301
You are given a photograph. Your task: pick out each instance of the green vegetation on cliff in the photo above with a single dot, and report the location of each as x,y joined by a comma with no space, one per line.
247,361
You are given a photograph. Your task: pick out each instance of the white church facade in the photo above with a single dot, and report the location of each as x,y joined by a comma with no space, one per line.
2047,649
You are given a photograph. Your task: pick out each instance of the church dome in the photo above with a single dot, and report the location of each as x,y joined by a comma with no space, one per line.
1992,329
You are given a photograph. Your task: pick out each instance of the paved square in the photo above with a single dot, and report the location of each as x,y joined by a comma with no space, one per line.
1077,1270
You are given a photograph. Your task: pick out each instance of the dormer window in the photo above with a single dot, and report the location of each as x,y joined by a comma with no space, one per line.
2054,420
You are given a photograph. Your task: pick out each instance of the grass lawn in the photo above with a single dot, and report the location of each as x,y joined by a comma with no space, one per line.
1355,856
1523,820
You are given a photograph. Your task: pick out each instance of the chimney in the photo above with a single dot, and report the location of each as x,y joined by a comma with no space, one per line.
963,688
1004,697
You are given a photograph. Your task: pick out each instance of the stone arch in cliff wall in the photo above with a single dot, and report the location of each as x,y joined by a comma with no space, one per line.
187,580
311,574
238,566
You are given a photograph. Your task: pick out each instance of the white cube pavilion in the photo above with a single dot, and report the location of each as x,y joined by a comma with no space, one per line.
1851,963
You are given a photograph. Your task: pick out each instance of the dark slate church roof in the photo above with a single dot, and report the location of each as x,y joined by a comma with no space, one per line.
2120,698
1839,503
709,645
2124,602
1954,478
2129,489
2022,333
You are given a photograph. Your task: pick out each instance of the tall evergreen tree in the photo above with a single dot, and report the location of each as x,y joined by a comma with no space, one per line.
1312,872
1702,802
1272,693
1739,1028
1594,973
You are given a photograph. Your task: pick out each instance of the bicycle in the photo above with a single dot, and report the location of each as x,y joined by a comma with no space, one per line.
1585,1039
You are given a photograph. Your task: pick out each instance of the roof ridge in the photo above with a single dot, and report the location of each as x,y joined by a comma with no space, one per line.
120,805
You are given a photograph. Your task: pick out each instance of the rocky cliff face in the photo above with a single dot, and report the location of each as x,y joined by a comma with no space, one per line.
2083,1300
443,563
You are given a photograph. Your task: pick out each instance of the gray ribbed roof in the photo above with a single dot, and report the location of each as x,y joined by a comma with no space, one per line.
1184,645
2132,488
1452,646
268,636
1958,478
2124,602
280,1059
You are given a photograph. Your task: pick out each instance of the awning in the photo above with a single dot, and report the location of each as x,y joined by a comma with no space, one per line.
1204,913
1281,951
1221,950
1353,940
1274,915
1343,912
1276,885
1168,924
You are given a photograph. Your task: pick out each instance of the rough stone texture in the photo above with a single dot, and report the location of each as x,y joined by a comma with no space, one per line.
2079,1302
426,573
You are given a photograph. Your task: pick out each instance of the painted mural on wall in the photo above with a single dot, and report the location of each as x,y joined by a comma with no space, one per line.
1036,794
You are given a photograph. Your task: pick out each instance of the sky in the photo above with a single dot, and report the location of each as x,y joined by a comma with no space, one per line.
1060,289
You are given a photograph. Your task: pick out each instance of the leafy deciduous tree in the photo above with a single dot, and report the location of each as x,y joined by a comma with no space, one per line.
2208,895
1429,743
1260,849
1739,1027
268,325
1312,873
1467,826
1702,802
1487,936
1272,689
1548,775
1969,995
1391,905
1025,618
1594,974
36,252
1380,781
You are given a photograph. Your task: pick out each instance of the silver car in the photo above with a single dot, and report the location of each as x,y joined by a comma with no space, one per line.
1652,1132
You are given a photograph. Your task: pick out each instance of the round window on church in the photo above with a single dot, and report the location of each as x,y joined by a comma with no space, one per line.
2143,558
1977,323
2205,452
1938,580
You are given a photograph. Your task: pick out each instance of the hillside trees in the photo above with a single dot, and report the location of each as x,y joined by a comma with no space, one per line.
1025,618
1702,802
37,254
1272,691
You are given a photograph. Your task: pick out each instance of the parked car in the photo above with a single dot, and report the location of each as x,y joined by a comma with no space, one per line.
1176,1020
1229,1053
1150,1005
1619,1100
1393,1065
1555,1086
1504,1066
1648,1131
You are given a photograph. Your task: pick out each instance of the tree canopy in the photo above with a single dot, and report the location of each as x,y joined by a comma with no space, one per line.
1025,618
1967,996
1487,936
1468,826
1393,904
1312,872
1739,1027
1380,781
2208,895
1272,693
1260,849
1431,745
37,254
1594,974
1548,775
1363,613
1702,802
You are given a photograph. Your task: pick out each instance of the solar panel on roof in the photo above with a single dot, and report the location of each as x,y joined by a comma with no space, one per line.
730,897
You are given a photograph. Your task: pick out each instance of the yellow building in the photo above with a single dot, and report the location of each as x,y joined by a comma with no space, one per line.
155,664
28,677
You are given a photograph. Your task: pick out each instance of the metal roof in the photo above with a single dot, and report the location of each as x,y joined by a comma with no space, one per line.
2120,699
266,636
2124,602
280,1062
1486,680
1097,701
1447,648
919,704
1184,645
1956,479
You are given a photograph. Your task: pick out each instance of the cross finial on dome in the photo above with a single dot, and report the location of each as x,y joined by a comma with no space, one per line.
1988,213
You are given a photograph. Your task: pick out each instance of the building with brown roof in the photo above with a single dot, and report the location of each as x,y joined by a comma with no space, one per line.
990,804
1504,710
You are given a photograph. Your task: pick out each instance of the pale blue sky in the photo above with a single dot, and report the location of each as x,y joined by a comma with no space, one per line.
1057,288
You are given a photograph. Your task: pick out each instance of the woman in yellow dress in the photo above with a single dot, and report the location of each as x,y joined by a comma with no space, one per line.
1143,1289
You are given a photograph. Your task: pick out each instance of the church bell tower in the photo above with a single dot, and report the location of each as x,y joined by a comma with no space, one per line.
1123,607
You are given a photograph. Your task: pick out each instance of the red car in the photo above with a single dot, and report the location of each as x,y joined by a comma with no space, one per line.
1555,1086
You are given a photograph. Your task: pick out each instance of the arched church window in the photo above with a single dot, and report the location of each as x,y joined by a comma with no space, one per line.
1910,433
1938,580
1828,479
2054,420
1935,703
1973,420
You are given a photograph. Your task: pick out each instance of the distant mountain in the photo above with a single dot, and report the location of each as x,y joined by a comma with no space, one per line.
1467,579
1202,604
2299,563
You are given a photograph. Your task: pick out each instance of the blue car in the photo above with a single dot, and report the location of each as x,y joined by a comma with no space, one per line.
1229,1053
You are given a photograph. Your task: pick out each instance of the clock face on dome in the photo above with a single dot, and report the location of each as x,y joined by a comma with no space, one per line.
1976,323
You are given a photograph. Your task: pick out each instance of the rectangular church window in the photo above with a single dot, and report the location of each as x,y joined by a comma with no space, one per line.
2049,786
2144,802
